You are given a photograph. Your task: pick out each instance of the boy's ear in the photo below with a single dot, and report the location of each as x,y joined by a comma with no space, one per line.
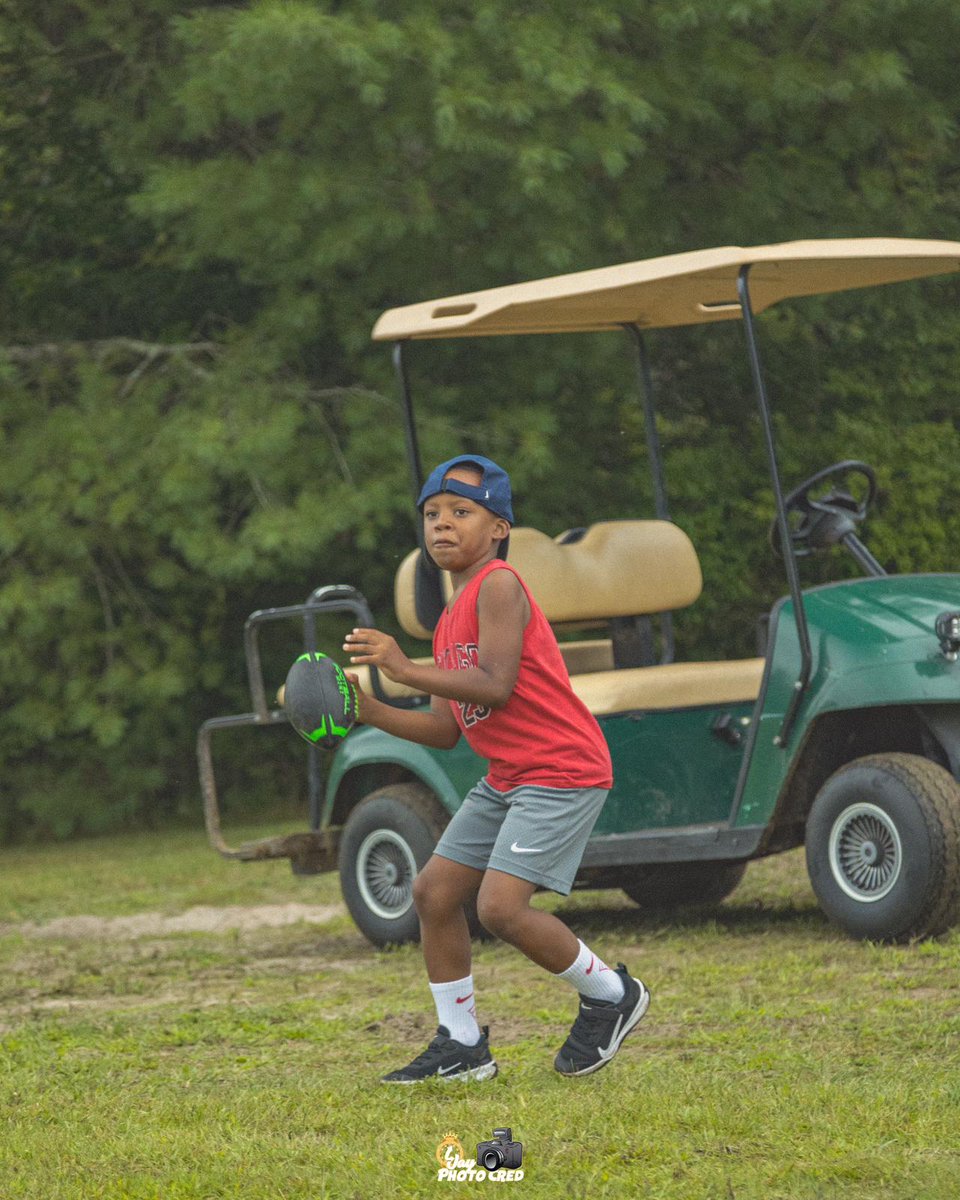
501,529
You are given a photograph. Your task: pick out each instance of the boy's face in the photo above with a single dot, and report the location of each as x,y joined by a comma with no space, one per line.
459,532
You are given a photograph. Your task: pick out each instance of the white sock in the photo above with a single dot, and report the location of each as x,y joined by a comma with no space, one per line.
457,1009
592,977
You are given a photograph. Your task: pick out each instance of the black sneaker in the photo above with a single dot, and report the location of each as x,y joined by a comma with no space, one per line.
600,1027
445,1058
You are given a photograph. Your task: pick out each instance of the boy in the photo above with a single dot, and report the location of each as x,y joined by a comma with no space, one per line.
500,681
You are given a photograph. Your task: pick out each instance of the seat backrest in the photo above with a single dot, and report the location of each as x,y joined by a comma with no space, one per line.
615,569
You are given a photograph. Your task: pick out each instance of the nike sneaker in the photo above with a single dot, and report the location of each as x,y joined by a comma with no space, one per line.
445,1058
600,1028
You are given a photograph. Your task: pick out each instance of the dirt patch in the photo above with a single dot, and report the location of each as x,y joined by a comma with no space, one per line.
201,919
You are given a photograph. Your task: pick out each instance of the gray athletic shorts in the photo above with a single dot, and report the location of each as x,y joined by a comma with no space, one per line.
536,833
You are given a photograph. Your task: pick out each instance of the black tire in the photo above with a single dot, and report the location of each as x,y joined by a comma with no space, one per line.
689,884
883,848
386,840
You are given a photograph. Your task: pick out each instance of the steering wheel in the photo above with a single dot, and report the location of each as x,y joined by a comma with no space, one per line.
817,522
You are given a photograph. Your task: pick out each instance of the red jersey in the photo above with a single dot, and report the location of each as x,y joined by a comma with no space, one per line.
544,734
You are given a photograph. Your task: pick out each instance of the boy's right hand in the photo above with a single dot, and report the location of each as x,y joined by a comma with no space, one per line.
374,648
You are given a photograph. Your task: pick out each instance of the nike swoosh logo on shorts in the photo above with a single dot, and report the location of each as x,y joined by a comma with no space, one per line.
524,849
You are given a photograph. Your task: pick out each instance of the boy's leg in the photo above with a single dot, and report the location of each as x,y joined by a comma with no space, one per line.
460,1049
450,880
612,1003
504,908
440,892
503,905
541,843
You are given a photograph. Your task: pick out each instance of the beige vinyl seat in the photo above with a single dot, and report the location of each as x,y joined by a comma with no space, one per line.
615,569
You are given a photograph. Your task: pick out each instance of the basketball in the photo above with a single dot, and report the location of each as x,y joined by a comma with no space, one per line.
319,700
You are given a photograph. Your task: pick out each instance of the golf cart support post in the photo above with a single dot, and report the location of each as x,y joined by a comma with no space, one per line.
789,558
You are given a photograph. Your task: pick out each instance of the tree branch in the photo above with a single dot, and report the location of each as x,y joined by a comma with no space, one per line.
118,348
104,346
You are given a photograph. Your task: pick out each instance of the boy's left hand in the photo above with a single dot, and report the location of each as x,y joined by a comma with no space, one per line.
378,649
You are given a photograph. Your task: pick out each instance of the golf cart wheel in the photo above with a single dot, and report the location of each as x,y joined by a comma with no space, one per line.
883,848
690,884
386,840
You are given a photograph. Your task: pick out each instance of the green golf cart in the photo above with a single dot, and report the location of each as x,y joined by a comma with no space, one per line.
844,736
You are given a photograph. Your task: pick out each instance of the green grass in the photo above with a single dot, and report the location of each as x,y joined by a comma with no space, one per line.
779,1059
167,871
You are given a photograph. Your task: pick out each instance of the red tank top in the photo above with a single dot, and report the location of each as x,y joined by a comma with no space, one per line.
544,734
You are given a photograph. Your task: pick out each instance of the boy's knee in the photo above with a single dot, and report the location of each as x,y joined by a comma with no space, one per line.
433,896
425,897
500,915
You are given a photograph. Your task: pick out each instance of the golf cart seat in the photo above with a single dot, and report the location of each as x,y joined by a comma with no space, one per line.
610,571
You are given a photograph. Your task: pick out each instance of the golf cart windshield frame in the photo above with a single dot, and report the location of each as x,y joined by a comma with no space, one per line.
682,289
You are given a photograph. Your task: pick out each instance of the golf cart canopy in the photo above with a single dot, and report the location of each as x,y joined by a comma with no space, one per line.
677,289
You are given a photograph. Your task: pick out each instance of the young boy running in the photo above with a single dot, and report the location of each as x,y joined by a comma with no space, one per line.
500,680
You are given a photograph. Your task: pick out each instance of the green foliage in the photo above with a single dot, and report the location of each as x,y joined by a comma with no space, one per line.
346,158
140,524
268,176
74,259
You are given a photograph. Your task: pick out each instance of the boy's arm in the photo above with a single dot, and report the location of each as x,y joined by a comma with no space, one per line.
503,612
437,728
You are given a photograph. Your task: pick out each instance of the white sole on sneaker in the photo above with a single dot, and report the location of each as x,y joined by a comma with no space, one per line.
629,1024
476,1074
472,1074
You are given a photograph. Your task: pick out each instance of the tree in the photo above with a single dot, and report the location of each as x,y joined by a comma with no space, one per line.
75,261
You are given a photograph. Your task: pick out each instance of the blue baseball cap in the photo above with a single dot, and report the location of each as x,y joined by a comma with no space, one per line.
493,493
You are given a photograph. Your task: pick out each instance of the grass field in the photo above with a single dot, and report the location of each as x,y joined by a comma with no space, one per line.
148,1054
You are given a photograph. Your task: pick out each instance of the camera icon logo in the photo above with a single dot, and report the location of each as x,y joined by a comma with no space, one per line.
501,1152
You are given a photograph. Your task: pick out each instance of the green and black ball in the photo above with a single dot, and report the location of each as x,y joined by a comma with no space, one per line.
319,700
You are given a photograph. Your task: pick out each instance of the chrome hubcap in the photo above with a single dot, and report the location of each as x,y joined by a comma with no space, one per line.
386,870
866,856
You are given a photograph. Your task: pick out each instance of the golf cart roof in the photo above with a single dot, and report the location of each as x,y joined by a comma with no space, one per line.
676,289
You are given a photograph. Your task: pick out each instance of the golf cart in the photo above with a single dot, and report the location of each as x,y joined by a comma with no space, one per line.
843,736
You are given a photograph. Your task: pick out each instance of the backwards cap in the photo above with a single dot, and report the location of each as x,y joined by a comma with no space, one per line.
493,492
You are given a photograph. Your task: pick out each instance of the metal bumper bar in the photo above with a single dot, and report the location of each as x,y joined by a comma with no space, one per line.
314,850
309,852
